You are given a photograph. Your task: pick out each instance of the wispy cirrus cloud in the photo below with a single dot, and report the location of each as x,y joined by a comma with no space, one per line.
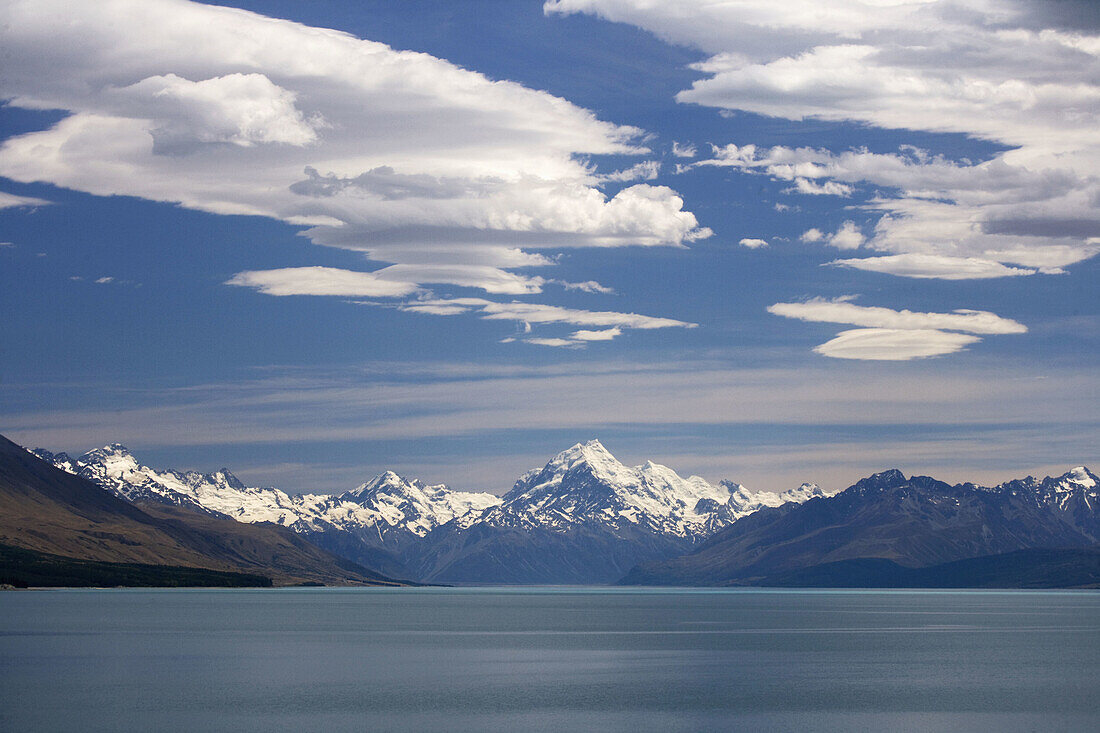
726,418
601,325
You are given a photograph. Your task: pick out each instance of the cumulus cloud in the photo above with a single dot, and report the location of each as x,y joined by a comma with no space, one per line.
439,172
753,243
946,212
240,109
847,237
1008,72
891,335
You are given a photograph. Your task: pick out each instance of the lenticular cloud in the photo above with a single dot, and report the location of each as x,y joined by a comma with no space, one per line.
402,156
890,335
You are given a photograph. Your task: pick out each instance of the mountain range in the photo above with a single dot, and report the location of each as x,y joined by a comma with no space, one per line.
60,529
582,518
586,518
908,523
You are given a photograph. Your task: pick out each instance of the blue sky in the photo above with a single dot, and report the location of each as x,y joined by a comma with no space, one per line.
749,244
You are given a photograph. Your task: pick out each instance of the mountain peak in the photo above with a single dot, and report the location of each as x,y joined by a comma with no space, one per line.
114,456
388,478
230,480
591,454
388,482
116,449
589,449
881,481
1081,475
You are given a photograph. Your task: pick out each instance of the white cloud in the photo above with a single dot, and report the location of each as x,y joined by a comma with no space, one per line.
537,313
934,266
11,201
444,174
821,310
321,281
440,309
647,170
813,188
588,286
555,342
890,335
987,69
483,277
847,237
104,280
241,109
947,211
886,344
753,243
606,334
683,150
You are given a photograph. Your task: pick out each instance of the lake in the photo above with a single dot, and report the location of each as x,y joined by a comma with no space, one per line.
553,659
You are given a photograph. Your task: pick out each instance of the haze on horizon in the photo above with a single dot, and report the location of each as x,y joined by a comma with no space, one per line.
311,242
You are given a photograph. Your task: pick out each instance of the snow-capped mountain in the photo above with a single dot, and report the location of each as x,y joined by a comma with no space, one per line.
384,514
884,526
1074,496
586,485
747,502
115,469
608,515
1076,485
585,517
408,506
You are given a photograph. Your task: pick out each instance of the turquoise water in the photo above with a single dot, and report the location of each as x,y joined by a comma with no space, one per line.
549,659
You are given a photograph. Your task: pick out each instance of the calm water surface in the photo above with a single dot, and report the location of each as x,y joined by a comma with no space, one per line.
549,659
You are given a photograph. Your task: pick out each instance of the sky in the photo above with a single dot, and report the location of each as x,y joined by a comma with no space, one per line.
757,241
